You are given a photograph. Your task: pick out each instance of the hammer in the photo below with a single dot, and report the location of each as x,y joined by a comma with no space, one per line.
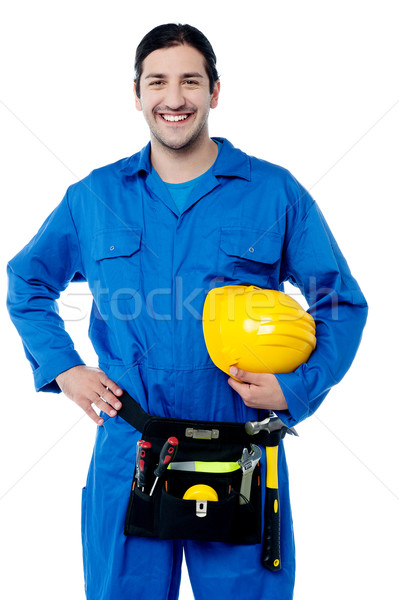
271,554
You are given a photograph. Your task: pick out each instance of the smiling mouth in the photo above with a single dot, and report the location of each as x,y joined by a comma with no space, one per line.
174,118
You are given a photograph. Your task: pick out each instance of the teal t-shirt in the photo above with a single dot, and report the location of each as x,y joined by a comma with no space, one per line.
180,192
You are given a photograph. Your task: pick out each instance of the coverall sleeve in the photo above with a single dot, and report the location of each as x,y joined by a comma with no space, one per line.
314,263
37,275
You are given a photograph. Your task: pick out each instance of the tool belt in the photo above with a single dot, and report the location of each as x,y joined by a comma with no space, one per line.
216,447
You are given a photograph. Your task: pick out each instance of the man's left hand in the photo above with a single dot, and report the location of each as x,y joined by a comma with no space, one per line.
260,390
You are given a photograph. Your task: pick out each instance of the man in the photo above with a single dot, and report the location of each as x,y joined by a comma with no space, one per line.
152,234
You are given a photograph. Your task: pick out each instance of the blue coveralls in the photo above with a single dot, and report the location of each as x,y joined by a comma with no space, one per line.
149,269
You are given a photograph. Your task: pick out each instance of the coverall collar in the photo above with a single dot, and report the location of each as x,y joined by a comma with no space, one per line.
230,162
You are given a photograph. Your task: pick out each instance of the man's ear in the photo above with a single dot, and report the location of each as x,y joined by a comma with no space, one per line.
215,94
136,98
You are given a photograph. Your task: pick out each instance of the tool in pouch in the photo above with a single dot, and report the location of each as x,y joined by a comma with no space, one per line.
202,494
143,458
168,453
271,552
248,462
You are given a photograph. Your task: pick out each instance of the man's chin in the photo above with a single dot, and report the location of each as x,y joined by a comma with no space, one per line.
176,146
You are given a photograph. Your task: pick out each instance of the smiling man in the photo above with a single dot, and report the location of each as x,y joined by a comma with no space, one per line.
152,234
175,94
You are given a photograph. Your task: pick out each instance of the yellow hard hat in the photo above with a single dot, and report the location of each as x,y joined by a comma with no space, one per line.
262,331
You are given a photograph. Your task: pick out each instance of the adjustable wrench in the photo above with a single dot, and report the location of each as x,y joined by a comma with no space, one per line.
248,462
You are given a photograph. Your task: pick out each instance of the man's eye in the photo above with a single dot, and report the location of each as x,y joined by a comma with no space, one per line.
191,82
156,83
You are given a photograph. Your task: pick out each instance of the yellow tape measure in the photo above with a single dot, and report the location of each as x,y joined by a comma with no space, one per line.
201,492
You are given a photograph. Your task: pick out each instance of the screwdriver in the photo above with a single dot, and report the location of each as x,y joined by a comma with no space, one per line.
168,453
144,460
138,446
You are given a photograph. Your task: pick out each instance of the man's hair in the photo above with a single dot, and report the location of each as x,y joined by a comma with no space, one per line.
175,34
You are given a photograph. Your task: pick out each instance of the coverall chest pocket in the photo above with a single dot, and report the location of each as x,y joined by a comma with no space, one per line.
251,256
117,258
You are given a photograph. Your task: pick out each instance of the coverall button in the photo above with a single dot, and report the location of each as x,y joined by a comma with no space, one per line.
251,249
112,248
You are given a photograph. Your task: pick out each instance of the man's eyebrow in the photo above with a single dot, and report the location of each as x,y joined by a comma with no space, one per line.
155,76
188,75
163,76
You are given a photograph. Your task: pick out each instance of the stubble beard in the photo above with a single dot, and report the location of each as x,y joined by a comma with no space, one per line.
188,144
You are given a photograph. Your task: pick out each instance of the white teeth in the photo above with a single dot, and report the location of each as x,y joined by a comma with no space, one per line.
174,118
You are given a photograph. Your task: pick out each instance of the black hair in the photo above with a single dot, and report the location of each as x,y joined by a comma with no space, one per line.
175,34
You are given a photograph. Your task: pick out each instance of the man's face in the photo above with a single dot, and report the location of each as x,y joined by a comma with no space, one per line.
175,97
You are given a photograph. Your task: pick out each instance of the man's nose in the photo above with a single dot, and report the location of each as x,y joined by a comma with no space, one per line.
174,98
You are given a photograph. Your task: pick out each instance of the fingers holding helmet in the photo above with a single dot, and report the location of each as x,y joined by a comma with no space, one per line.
258,390
245,376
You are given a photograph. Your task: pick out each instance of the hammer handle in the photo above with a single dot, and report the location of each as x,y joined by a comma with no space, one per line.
271,556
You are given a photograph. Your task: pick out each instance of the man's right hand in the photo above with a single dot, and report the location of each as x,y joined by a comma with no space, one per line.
87,386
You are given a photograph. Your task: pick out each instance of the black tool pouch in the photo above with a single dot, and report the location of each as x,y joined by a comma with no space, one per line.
165,514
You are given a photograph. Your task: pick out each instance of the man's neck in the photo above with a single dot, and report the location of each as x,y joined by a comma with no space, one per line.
177,166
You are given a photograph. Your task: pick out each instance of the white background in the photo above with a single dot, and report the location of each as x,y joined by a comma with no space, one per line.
307,84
